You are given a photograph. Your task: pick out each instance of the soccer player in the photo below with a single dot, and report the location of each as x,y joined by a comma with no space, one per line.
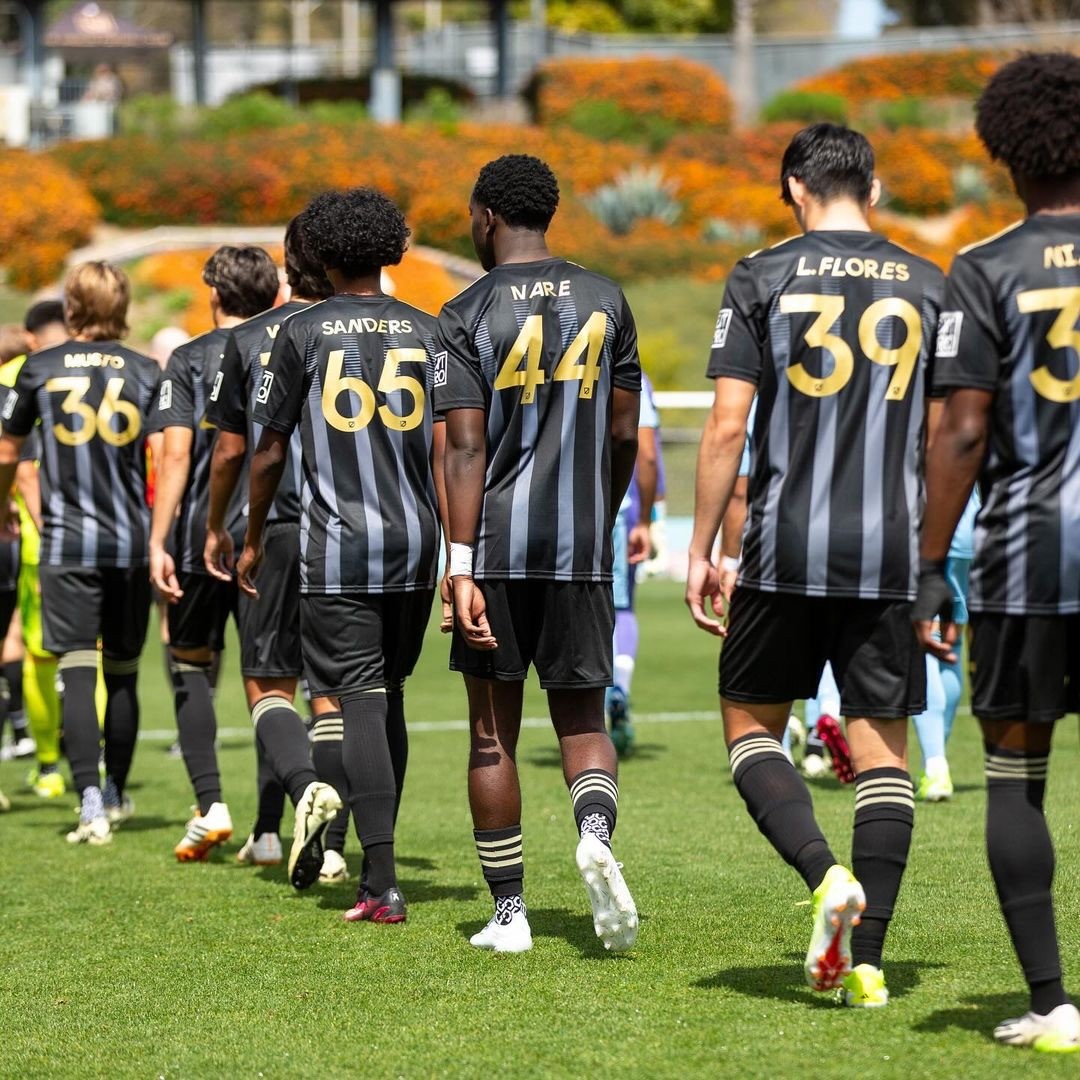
243,281
1008,351
832,330
354,373
93,396
540,393
271,658
44,323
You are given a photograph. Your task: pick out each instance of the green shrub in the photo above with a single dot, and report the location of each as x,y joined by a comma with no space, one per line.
722,231
608,122
909,112
157,115
438,107
970,185
336,112
637,194
248,112
807,107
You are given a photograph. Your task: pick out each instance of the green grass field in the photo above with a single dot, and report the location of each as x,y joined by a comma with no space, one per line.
119,962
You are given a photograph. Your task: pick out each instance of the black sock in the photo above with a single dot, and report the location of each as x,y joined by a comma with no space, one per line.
5,701
814,745
884,819
214,673
780,805
501,859
397,738
271,796
372,792
595,794
82,735
121,718
196,725
283,737
326,736
1021,857
13,673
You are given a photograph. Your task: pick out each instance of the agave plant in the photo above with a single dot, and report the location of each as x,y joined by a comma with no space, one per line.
640,192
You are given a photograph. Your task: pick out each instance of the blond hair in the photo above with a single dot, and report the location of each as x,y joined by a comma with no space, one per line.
96,298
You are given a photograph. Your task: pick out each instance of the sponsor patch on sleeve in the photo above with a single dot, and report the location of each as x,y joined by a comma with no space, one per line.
263,396
165,397
948,334
723,324
9,404
439,374
219,378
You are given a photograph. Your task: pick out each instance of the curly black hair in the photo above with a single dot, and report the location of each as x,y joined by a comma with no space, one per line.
358,231
302,271
1029,116
520,189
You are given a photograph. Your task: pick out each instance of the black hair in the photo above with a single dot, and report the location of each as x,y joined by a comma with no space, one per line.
520,189
43,313
1029,116
832,161
357,232
246,279
304,274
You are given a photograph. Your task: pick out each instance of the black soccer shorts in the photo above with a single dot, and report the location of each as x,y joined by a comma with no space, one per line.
564,629
197,620
362,641
270,624
778,644
79,604
1024,667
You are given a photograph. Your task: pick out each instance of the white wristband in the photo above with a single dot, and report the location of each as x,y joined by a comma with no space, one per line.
728,563
461,560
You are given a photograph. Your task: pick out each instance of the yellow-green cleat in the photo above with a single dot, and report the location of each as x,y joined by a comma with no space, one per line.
838,904
46,785
1058,1032
864,988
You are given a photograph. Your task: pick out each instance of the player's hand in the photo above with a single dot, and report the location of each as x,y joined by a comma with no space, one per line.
934,603
163,574
248,566
446,595
703,585
638,543
728,578
471,614
219,554
9,524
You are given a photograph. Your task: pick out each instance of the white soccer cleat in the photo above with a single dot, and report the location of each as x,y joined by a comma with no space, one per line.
5,803
508,931
1058,1032
318,806
814,766
615,918
204,832
96,833
266,851
797,731
334,868
22,747
121,811
839,902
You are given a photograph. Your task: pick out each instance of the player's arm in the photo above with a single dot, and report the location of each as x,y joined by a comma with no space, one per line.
267,467
227,412
173,467
10,446
624,445
969,349
20,412
28,486
731,535
647,470
438,471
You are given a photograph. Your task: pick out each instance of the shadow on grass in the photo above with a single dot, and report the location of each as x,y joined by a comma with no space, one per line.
573,927
340,896
977,1012
785,982
549,757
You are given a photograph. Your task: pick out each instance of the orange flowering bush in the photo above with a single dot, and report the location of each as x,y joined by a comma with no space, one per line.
673,89
44,213
950,73
915,179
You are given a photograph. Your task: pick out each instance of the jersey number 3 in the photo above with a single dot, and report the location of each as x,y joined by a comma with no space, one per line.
828,309
1063,334
95,421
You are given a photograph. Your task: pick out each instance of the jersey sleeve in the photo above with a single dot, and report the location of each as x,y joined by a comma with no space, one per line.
969,344
626,363
738,347
227,408
20,410
175,402
458,382
279,400
648,417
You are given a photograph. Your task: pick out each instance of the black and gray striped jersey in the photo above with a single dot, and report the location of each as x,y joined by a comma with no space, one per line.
539,347
247,352
194,369
835,328
94,400
1010,324
355,374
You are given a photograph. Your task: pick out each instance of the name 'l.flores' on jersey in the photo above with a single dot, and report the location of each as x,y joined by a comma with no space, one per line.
835,328
355,373
539,346
93,400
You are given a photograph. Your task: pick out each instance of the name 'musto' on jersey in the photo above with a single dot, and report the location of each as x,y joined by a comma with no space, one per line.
835,328
539,346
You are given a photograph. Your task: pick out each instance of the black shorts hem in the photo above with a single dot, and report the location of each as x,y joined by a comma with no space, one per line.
587,684
857,713
495,676
249,673
1019,714
752,699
